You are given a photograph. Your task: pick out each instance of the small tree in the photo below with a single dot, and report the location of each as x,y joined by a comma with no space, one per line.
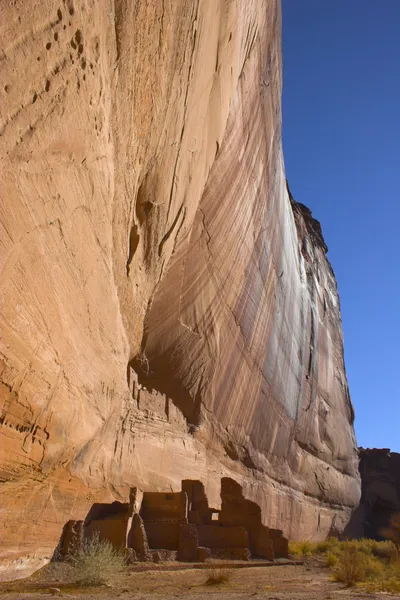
392,532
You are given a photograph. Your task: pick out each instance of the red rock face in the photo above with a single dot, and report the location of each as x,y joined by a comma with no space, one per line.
168,311
380,495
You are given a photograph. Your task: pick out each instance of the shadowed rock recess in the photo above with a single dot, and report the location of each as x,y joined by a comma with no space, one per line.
168,312
380,494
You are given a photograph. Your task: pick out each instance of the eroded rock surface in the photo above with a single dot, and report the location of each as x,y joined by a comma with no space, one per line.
167,310
380,494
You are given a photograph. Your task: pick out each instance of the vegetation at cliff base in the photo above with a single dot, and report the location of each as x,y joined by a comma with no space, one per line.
94,562
366,563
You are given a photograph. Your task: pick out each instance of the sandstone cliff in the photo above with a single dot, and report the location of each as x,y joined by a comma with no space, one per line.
380,494
167,310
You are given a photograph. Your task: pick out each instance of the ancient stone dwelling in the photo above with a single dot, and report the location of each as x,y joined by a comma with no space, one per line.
182,526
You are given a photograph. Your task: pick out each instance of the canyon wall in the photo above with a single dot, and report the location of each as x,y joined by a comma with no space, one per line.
380,494
168,311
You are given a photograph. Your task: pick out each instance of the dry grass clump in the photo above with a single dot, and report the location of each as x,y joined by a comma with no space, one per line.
308,548
218,576
387,578
331,559
371,564
384,549
350,567
95,562
324,547
301,548
392,532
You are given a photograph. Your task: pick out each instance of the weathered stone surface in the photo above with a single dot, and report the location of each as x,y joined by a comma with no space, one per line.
199,510
203,554
109,522
138,539
167,312
164,555
380,494
280,544
263,544
162,535
231,553
213,536
158,506
236,509
131,556
71,539
188,543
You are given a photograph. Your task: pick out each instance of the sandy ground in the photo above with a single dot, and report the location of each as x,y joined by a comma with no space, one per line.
284,582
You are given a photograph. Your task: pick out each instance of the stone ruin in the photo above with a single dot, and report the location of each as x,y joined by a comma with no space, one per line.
156,526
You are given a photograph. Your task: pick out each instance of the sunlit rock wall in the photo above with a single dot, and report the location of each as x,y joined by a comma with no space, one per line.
167,311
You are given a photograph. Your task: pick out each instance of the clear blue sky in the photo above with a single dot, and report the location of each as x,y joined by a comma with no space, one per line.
341,141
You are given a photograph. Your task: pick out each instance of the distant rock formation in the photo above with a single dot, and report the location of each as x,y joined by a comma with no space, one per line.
168,311
380,494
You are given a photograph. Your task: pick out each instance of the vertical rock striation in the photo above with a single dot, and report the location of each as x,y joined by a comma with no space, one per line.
167,309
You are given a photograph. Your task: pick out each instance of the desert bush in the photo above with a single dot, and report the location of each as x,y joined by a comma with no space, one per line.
384,550
392,532
94,562
374,567
322,547
390,585
294,548
308,548
370,563
218,576
351,566
301,548
332,559
386,580
365,546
